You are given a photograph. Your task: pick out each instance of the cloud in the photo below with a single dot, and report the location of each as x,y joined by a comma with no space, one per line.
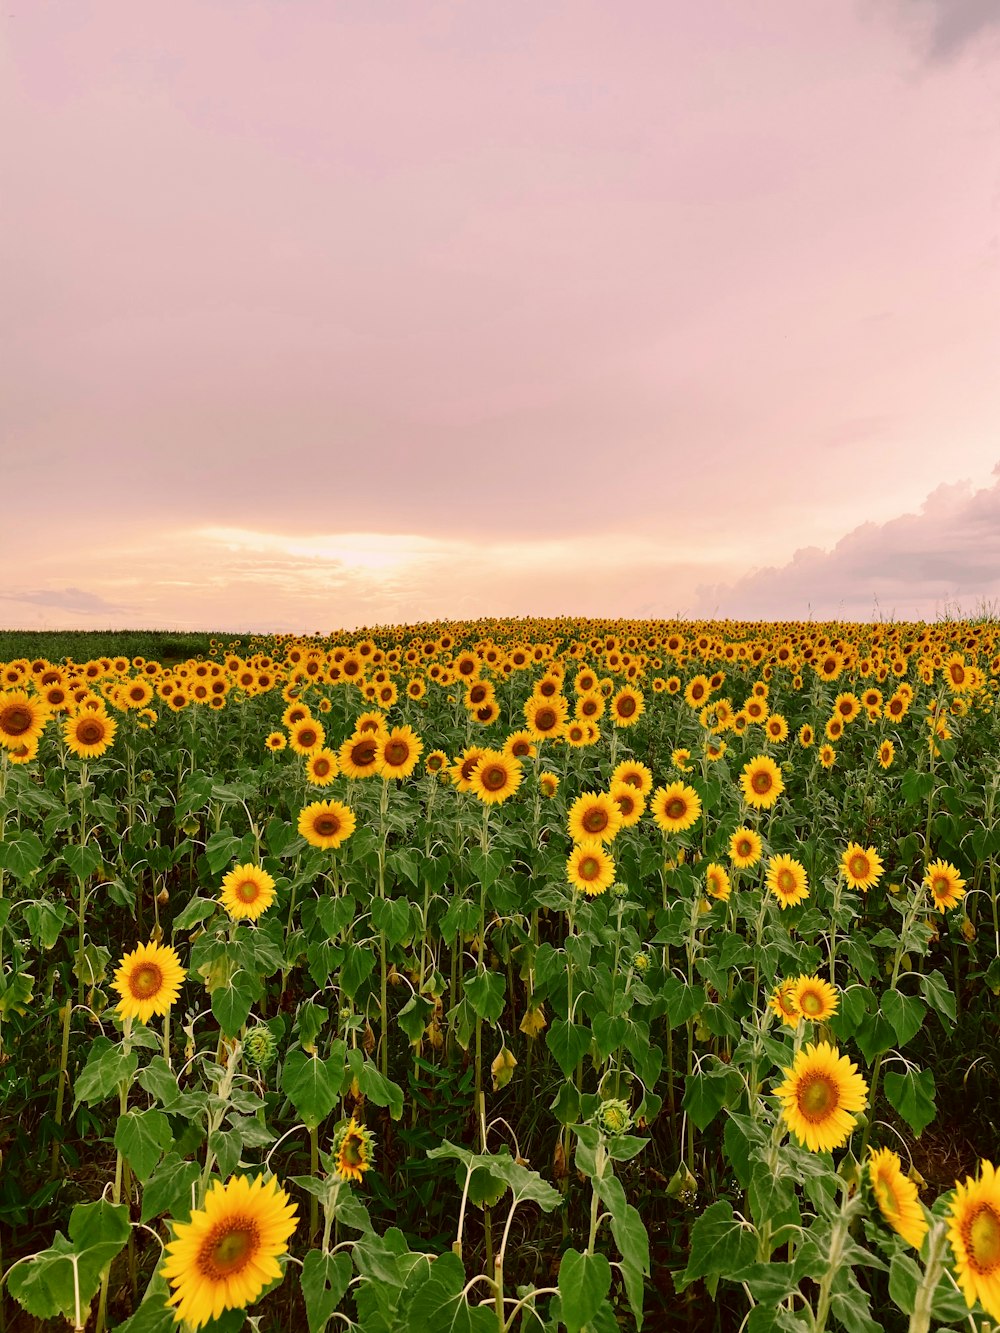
66,599
948,27
946,557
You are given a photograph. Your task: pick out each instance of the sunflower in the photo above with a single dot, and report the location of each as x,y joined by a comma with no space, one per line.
745,848
806,736
437,762
398,753
275,741
974,1233
787,880
847,706
307,736
247,892
149,980
717,882
782,1001
834,729
321,768
496,777
326,823
520,745
777,728
821,1089
629,801
353,1150
627,706
761,782
896,1196
886,754
676,807
697,691
594,815
545,717
946,885
815,999
88,734
23,754
589,706
634,773
590,867
827,756
359,754
369,722
224,1257
548,784
861,866
22,718
956,673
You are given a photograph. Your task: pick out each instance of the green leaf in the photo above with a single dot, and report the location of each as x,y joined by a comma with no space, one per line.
905,1278
169,1189
707,1091
906,1014
154,1315
912,1094
720,1245
412,1018
142,1137
107,1066
568,1042
69,1272
382,1091
682,1001
21,854
46,921
940,998
392,917
325,1279
312,1086
524,1183
487,867
584,1282
357,967
630,1236
485,991
231,1004
222,848
82,861
440,1306
197,910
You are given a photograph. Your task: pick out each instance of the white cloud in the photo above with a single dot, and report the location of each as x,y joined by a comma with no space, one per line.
944,558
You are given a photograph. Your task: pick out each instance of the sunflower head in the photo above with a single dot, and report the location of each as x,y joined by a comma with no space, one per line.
353,1150
247,892
974,1234
896,1196
148,980
821,1091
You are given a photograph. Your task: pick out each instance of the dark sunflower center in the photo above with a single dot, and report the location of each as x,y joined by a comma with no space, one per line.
590,867
743,848
595,820
521,749
351,1151
307,736
145,981
859,866
762,782
626,706
676,808
363,753
545,719
229,1248
248,890
89,732
940,886
16,719
327,825
811,1003
786,881
625,804
321,768
958,674
494,777
396,753
818,1098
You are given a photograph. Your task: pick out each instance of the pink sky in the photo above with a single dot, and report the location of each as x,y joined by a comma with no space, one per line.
317,314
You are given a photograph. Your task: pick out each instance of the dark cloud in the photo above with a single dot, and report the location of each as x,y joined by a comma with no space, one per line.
946,557
948,27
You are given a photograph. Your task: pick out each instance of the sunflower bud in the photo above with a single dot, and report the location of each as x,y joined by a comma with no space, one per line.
613,1117
260,1048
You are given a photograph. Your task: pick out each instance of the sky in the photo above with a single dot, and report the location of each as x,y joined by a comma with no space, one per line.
317,314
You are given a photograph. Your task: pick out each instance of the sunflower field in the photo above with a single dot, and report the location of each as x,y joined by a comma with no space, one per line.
523,976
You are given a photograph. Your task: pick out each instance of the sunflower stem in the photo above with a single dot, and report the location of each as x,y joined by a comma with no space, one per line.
920,1320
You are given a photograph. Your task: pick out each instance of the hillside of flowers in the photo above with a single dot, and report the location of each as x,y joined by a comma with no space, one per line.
524,976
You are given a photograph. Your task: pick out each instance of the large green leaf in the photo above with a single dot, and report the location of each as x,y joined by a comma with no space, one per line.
721,1246
912,1094
312,1086
325,1279
584,1283
142,1137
